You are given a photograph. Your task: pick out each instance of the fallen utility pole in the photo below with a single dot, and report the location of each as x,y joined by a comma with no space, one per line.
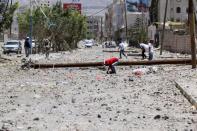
112,51
121,63
134,54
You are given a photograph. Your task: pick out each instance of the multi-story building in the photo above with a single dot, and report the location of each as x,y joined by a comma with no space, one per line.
4,1
94,26
177,10
116,20
43,2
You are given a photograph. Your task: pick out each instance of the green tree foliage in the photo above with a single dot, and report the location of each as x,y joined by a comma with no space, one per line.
64,28
7,16
138,32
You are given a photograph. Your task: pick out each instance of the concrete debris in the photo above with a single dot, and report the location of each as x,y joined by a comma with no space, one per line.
137,97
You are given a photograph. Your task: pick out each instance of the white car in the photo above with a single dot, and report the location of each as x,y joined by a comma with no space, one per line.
88,43
109,44
12,46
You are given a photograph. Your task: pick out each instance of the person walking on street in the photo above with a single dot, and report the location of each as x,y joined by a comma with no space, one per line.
150,50
111,63
144,48
122,50
27,47
47,48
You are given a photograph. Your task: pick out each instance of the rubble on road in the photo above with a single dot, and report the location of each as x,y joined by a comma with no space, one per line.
90,99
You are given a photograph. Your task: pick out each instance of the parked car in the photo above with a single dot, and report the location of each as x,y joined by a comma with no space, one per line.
34,48
12,46
88,43
109,44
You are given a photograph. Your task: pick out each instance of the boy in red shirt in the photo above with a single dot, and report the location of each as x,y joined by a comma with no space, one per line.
111,63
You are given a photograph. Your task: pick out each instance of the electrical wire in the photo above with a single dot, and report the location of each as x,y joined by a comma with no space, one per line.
107,7
41,9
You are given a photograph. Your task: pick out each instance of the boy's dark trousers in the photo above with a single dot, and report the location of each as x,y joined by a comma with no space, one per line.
143,54
122,52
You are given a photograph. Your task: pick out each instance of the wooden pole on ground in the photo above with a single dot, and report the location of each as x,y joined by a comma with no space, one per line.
121,63
113,51
164,22
192,32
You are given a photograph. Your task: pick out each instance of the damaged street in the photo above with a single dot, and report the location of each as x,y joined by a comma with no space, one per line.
87,98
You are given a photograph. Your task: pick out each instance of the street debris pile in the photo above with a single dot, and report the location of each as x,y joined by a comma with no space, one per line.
136,98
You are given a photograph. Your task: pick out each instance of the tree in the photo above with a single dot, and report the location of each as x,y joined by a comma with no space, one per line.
154,11
138,31
64,28
7,14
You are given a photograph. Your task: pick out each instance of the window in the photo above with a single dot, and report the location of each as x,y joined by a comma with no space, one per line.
178,10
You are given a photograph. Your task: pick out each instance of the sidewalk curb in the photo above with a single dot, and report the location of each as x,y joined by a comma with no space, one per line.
186,95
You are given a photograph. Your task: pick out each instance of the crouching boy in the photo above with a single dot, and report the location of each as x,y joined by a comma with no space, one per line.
111,63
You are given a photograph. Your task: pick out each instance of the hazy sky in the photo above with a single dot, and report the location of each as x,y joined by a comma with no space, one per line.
87,5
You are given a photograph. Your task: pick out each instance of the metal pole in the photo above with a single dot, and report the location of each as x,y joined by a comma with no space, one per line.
11,25
164,22
192,32
126,29
101,30
31,25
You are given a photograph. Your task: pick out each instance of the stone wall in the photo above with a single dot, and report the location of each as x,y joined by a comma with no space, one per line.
176,43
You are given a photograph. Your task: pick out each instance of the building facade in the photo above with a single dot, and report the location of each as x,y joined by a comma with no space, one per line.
94,26
116,19
43,3
177,10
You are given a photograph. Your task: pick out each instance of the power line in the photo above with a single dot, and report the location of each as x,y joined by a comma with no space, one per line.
41,9
103,9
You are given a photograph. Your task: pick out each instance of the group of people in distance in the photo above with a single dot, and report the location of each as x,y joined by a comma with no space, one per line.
147,48
111,62
28,46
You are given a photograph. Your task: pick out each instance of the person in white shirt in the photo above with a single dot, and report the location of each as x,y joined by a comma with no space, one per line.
121,49
150,50
145,48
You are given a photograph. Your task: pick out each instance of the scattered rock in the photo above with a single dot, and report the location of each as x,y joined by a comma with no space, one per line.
73,100
165,117
131,79
36,119
194,112
124,120
124,97
108,108
99,116
54,107
104,104
189,123
157,117
158,109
